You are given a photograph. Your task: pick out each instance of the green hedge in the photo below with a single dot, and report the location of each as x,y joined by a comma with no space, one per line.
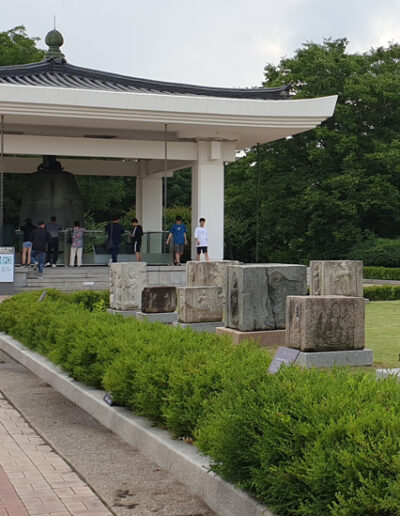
304,442
382,293
384,252
385,273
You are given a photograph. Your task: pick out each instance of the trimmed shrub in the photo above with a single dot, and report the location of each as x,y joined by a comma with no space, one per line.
384,273
377,251
382,293
305,442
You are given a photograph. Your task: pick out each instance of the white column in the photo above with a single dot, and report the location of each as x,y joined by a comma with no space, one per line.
149,202
208,196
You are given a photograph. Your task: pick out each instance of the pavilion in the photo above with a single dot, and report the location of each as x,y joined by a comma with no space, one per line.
55,108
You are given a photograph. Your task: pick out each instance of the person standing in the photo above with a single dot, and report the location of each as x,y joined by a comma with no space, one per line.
114,231
201,239
27,229
137,234
178,232
52,249
40,238
76,244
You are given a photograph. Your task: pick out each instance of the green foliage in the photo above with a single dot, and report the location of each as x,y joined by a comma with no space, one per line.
323,191
305,442
382,252
17,48
382,293
384,273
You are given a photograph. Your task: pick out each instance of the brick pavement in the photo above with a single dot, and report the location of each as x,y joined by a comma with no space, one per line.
33,478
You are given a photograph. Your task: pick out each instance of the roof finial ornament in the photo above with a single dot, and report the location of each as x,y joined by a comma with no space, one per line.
55,40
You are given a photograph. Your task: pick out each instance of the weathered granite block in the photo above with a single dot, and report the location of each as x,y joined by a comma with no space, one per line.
325,323
208,274
199,304
126,285
256,294
158,299
336,278
164,317
353,358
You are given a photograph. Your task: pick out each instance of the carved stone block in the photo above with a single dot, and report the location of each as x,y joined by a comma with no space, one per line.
159,299
208,274
126,285
325,323
199,304
256,294
336,278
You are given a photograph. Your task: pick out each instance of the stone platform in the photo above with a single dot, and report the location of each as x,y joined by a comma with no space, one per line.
209,327
124,313
162,317
268,338
356,357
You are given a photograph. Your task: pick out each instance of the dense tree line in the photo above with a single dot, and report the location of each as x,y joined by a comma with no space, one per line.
315,195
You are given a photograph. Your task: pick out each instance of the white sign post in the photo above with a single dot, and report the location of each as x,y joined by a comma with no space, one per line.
7,262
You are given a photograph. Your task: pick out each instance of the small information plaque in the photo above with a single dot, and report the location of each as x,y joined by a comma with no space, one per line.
283,356
7,264
108,398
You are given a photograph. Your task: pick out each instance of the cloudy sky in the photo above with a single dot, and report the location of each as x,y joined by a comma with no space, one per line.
211,42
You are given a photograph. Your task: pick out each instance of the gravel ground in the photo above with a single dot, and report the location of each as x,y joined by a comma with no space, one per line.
129,483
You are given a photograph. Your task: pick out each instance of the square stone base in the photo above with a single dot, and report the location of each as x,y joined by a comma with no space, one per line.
385,373
209,327
355,357
267,338
162,317
124,313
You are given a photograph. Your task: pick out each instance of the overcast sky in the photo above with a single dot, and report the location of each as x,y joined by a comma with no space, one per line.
211,42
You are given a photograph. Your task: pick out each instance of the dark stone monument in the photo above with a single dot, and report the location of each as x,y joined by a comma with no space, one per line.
158,300
52,191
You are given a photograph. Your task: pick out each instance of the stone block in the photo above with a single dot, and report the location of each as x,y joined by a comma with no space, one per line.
165,318
353,358
209,327
256,294
208,274
126,285
124,313
199,304
267,339
159,299
325,323
336,278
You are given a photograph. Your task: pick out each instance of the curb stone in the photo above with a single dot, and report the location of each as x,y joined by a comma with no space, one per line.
178,458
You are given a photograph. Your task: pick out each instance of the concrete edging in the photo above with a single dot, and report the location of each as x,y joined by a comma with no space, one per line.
178,458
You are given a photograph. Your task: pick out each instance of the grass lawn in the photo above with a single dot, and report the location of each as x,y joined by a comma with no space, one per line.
383,332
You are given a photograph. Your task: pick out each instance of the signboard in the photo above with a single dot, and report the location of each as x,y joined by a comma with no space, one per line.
108,398
283,356
7,264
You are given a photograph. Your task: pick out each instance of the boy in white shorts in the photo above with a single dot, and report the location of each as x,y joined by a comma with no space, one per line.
201,239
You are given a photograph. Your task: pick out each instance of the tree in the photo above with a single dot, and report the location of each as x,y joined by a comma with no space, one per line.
16,47
325,190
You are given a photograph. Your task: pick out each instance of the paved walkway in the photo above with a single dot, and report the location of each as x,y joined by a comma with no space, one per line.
33,478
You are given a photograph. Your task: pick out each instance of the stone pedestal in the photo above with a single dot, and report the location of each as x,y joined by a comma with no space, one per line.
199,304
325,323
209,327
124,313
256,294
336,278
162,317
158,299
353,358
267,339
208,274
126,285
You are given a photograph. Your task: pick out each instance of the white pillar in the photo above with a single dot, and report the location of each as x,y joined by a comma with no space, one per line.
149,202
208,196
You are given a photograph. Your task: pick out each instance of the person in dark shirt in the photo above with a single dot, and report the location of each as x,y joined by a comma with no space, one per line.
52,249
27,229
114,231
40,239
137,234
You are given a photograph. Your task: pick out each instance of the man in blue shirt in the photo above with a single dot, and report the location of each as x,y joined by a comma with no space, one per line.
178,232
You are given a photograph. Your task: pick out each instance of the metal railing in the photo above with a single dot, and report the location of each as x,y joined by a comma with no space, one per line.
154,251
